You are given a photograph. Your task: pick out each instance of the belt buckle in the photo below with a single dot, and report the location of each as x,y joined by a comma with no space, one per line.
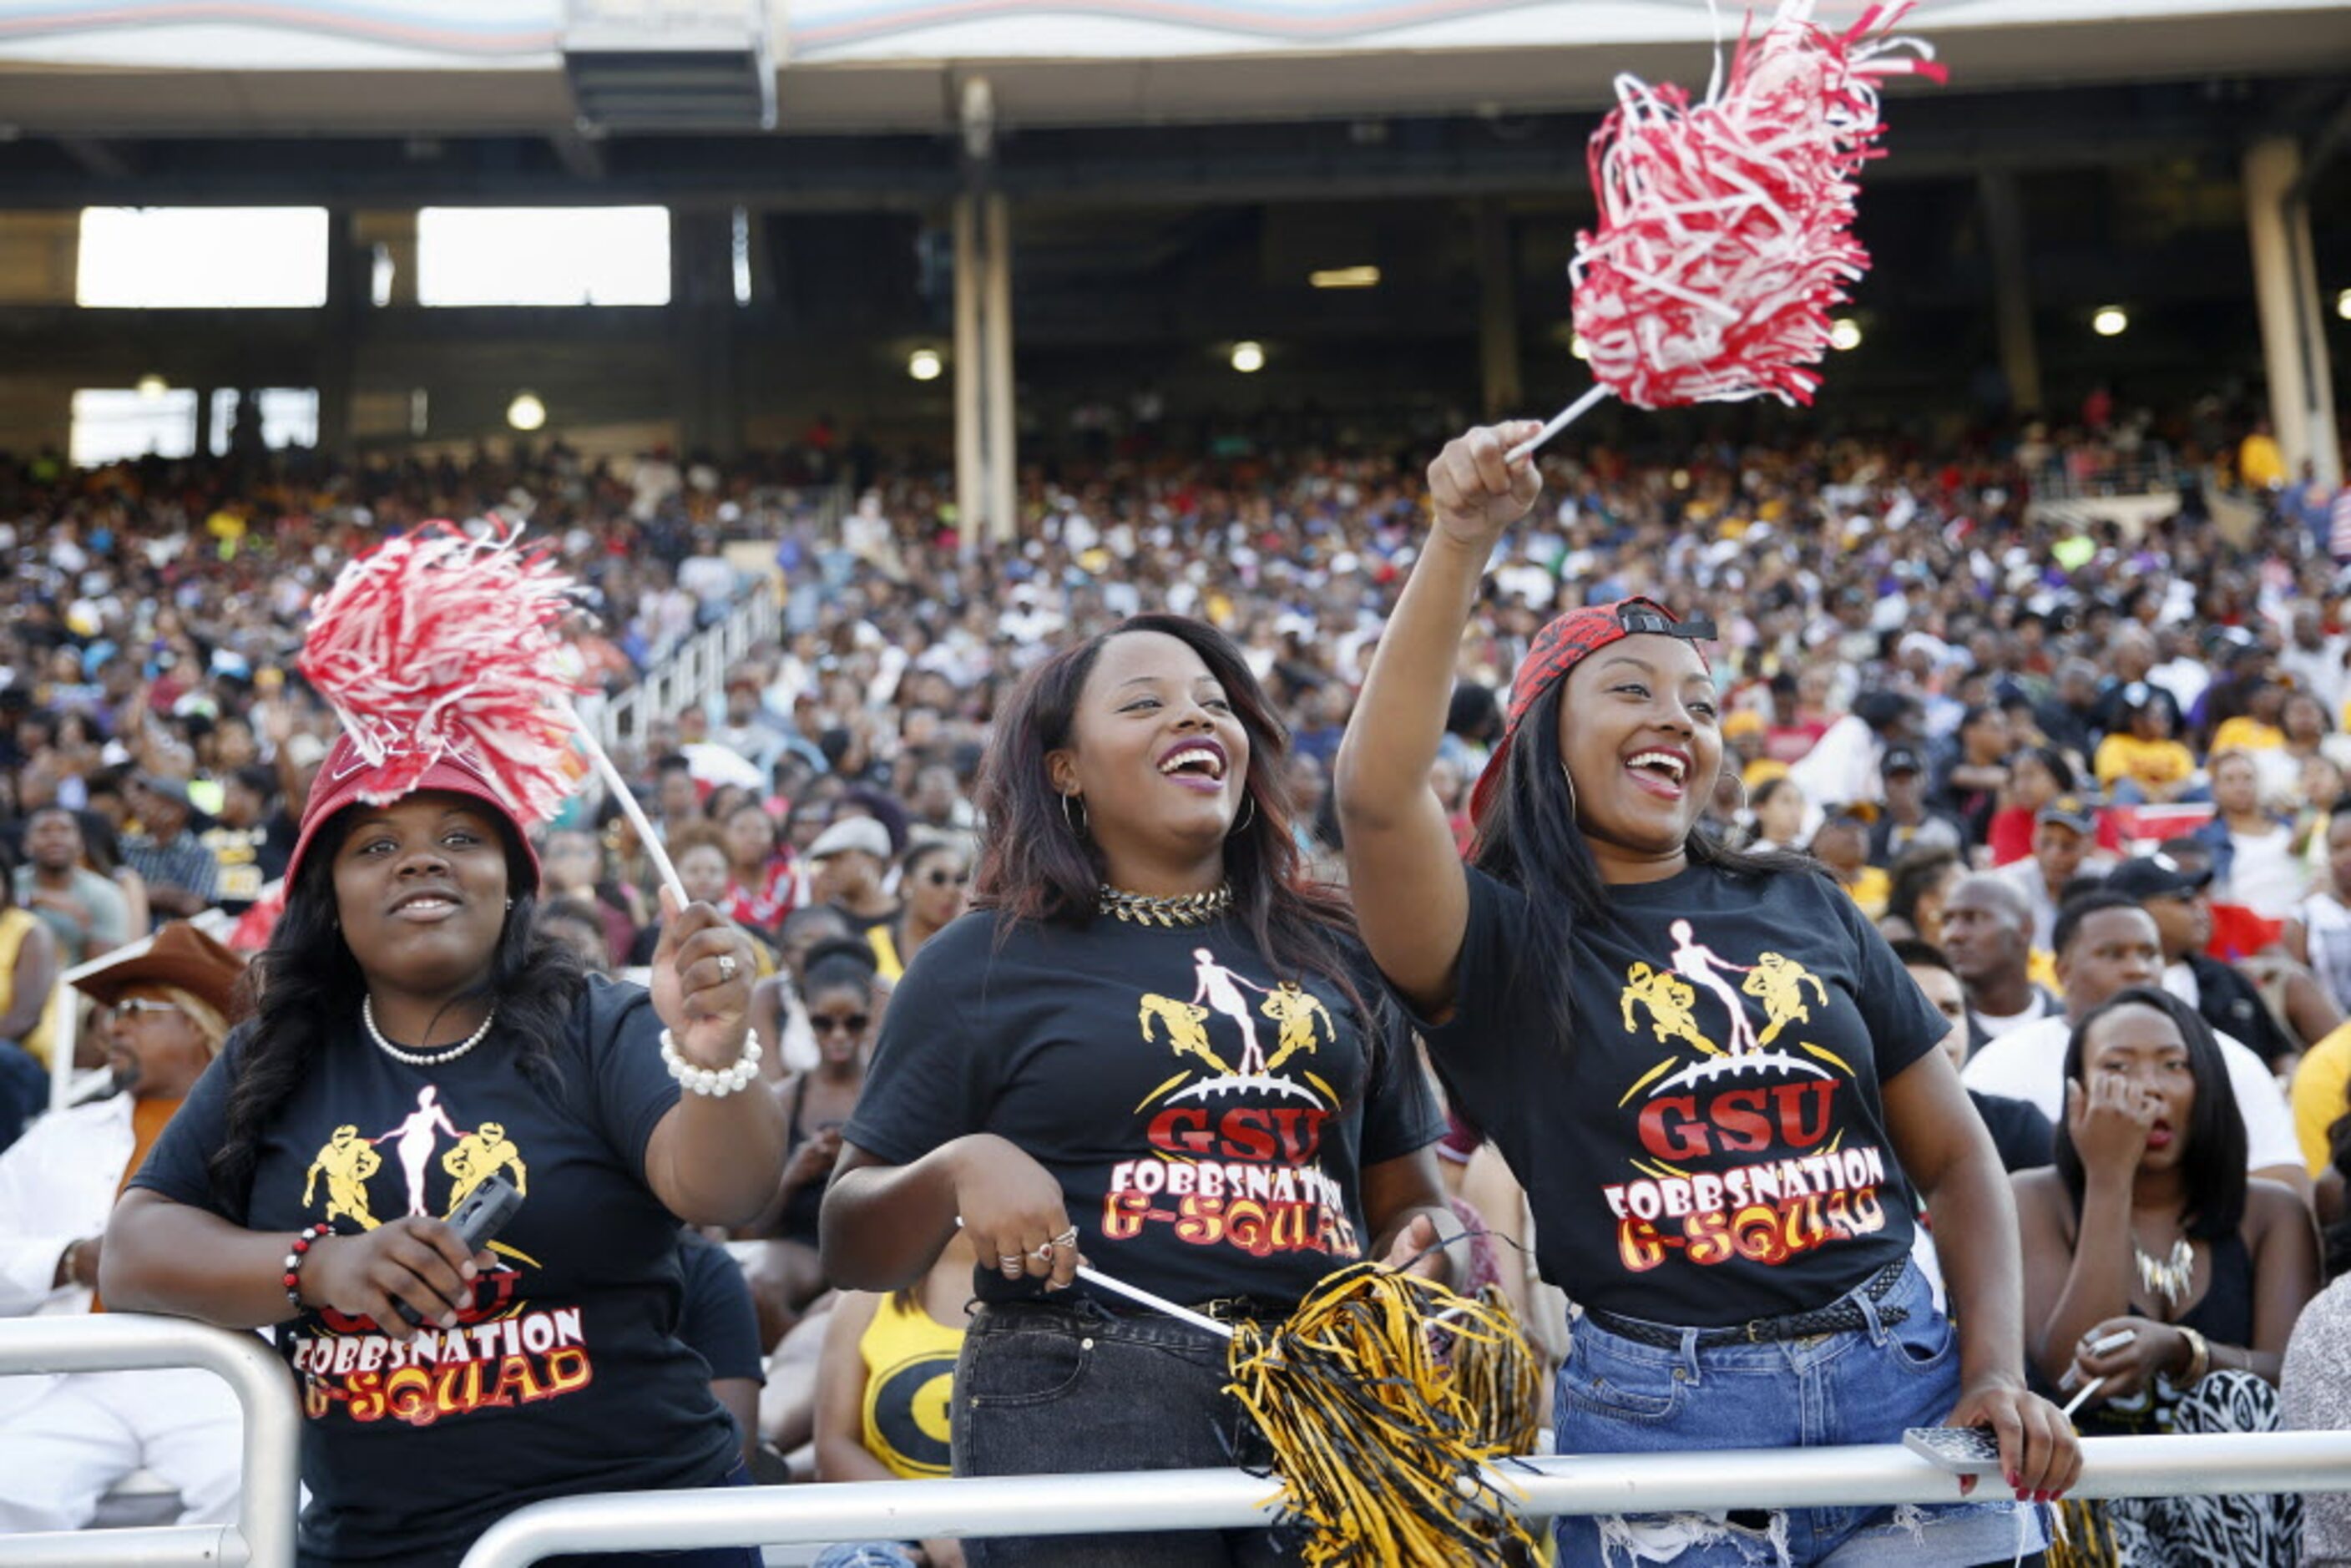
1226,1309
1753,1326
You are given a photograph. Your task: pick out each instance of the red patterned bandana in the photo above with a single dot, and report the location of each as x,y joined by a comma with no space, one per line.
1563,643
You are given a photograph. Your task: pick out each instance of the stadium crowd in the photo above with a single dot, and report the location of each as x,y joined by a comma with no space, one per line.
2057,757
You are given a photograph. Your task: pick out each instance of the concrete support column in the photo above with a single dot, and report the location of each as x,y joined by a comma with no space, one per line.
1003,457
2012,288
707,370
349,264
2285,291
1498,312
970,375
204,420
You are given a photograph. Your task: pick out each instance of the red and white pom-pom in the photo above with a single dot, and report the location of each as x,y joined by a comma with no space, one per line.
439,644
1726,230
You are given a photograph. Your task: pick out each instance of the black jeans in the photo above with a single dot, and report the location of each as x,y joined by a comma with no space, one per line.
1054,1390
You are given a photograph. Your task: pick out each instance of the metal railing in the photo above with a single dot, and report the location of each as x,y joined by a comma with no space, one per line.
262,1536
1231,1498
694,670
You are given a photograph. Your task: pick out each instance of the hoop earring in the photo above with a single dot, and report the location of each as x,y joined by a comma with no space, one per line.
1735,778
1078,829
1573,811
1249,815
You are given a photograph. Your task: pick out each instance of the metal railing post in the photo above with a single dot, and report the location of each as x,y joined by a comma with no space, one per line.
262,1536
1222,1499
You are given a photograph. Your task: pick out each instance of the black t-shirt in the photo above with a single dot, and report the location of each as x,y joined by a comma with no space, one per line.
1209,1120
2020,1132
566,1375
1712,1146
721,1323
249,859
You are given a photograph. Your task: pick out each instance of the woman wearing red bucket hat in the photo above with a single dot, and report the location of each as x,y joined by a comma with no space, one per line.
1712,1076
413,1038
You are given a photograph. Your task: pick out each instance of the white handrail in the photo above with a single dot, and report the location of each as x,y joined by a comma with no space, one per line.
262,1536
1231,1498
694,668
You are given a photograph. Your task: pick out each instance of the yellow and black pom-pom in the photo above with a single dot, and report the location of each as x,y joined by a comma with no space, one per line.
1385,1397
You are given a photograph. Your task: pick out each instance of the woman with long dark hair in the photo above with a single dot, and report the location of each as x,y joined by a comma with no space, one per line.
414,1038
2154,1264
1713,1077
1154,1045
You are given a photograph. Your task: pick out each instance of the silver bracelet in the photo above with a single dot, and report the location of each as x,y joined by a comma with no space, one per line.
702,1080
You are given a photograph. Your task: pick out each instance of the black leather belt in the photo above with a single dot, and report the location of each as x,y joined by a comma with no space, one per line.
1843,1315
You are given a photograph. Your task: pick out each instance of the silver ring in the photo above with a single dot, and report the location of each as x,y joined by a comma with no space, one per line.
726,966
1011,1263
1066,1239
1043,1254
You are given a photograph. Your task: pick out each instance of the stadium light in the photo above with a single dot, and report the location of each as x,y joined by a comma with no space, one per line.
2343,305
1844,333
2111,322
1578,346
1249,358
925,365
153,386
526,413
1345,277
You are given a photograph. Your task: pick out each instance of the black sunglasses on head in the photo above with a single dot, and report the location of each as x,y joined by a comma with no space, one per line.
1637,617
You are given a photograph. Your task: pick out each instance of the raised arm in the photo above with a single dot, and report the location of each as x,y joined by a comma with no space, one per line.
1412,900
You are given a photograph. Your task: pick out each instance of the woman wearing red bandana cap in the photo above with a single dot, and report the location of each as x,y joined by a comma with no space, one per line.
1711,1076
414,1038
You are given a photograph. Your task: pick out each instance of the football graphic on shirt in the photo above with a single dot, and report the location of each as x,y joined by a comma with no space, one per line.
1740,1155
502,1351
1234,1137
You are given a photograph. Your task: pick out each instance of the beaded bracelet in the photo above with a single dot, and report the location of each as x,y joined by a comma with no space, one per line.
293,1277
702,1080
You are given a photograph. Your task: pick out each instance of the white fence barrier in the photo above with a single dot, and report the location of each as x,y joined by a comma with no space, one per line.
1215,1500
262,1536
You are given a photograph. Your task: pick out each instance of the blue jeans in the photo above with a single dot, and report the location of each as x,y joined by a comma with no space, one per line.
1055,1390
867,1554
1616,1395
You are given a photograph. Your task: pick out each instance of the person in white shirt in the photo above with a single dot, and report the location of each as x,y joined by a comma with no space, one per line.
66,1438
2106,942
1988,938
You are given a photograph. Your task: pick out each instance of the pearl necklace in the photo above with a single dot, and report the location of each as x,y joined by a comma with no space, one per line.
1186,909
423,1057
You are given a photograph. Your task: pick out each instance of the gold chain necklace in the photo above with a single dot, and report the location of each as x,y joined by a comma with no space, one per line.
1185,909
2166,1277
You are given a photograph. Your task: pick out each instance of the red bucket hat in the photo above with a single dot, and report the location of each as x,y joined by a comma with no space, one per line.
347,777
1564,642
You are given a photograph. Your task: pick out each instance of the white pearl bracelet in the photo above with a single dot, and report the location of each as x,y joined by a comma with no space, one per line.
702,1080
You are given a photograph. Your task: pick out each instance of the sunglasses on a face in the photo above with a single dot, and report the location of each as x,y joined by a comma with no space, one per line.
838,1023
946,878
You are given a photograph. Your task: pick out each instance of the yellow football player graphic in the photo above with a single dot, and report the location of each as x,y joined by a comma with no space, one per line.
346,1160
1777,982
478,1154
1187,1026
1672,1004
1297,1011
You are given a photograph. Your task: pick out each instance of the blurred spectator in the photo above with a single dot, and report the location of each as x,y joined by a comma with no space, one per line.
181,875
84,911
1908,822
934,879
1987,933
28,972
65,1440
848,861
2063,832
